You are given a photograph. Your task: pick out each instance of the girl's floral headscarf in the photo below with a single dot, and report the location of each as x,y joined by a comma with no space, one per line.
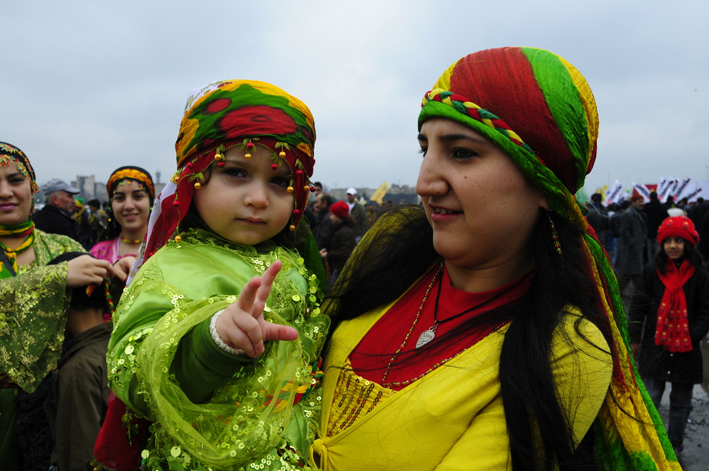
11,154
234,113
540,111
128,173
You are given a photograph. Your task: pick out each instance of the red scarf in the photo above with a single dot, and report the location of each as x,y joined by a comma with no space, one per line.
672,324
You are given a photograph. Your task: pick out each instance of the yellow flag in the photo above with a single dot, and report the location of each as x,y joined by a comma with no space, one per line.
378,195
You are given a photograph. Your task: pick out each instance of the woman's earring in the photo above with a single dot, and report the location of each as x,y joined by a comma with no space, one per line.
555,235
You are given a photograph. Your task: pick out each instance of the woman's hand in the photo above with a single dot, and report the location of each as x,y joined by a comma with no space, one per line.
242,325
122,267
86,270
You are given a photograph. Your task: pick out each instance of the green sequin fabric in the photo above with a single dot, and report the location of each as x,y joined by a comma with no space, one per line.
251,422
32,313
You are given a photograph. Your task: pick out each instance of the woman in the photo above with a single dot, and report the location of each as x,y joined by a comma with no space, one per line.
676,282
487,331
131,192
33,296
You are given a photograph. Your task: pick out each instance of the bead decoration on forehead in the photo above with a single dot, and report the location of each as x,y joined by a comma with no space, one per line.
126,175
10,155
194,169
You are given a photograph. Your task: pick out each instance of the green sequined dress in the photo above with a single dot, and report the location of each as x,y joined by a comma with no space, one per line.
33,308
213,410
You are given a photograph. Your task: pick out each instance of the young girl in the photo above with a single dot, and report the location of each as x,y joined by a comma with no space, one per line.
131,192
668,351
217,338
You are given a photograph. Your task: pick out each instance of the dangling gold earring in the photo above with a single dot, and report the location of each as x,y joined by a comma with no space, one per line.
555,235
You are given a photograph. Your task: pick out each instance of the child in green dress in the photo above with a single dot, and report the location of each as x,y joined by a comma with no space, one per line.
217,339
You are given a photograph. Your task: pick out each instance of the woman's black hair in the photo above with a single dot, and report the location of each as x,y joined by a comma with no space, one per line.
690,253
113,229
400,250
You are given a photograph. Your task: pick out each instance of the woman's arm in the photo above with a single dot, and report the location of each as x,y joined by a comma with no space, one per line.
32,319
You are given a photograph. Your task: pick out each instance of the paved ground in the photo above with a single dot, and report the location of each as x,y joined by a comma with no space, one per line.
696,452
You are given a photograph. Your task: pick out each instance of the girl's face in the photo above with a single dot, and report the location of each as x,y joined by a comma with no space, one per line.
246,201
15,196
674,247
482,209
131,205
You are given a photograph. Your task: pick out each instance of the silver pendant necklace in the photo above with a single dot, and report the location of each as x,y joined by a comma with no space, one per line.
429,334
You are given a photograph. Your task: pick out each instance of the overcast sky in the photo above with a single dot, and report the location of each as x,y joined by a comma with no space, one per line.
86,87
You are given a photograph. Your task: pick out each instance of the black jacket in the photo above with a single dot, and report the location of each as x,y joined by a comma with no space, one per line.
342,244
78,401
685,367
656,213
51,220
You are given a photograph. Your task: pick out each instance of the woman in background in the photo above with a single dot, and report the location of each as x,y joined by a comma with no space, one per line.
131,192
669,318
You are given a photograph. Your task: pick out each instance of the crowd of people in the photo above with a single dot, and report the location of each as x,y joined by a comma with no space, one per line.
244,319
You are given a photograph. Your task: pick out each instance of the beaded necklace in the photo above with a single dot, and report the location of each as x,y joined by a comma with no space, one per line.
406,339
132,242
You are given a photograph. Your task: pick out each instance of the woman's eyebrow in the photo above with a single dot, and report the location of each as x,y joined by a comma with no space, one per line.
459,136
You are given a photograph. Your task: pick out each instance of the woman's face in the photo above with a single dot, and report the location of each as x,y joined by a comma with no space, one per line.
15,196
481,207
131,205
674,247
246,201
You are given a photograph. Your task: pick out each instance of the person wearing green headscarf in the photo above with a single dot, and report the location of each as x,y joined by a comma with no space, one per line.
485,330
33,296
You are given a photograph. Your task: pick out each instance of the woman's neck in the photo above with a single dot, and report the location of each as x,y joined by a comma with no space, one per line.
133,234
486,278
13,242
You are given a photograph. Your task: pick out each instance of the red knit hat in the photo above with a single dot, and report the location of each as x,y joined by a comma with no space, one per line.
636,195
340,209
678,226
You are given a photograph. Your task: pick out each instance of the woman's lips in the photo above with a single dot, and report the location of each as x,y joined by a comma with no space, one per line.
7,206
440,214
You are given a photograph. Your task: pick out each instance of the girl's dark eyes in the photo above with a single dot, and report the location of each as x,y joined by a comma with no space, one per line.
281,181
235,172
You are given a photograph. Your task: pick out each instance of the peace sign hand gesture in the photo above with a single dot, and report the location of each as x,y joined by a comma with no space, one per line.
242,325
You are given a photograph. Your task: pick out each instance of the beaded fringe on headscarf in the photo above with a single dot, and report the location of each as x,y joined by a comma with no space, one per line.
541,112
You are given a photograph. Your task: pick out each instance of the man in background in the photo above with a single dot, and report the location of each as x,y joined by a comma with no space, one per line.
358,214
56,216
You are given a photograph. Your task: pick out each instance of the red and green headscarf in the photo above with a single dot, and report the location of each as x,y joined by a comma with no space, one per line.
235,113
540,111
535,106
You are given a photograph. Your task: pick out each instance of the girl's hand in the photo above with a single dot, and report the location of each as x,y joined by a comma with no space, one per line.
86,270
242,325
122,267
